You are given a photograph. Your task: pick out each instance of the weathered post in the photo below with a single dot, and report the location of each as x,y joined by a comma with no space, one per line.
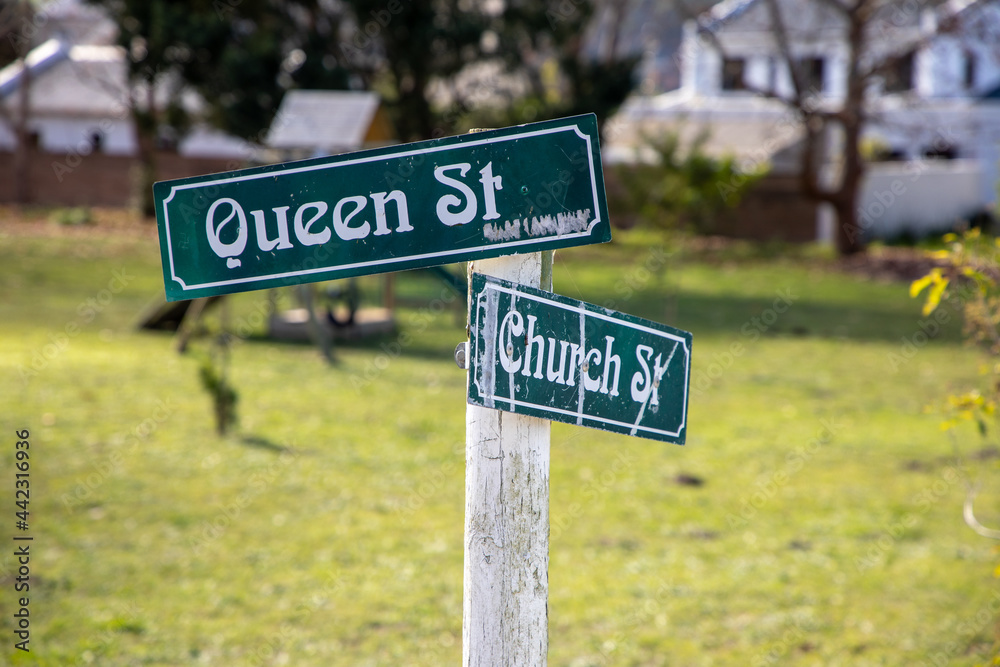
505,606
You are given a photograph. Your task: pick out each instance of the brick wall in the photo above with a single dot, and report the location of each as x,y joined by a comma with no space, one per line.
94,180
774,209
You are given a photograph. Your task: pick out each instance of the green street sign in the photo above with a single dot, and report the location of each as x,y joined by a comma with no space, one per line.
541,354
500,192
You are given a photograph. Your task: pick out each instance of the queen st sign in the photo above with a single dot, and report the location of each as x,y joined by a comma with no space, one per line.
499,192
541,354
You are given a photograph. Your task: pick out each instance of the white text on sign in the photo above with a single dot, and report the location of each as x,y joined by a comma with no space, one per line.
524,351
350,218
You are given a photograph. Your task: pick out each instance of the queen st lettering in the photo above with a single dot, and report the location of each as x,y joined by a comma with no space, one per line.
228,228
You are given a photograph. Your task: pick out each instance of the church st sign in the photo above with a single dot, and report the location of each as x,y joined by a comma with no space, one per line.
541,354
500,192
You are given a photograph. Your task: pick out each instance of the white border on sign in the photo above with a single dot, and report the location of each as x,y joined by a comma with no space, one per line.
579,414
382,262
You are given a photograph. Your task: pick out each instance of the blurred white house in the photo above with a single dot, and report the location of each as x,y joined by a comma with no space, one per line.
935,108
81,139
78,92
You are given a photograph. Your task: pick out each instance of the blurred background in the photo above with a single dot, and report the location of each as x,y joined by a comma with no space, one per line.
276,478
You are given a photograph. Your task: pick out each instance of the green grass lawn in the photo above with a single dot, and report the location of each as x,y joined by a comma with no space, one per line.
826,528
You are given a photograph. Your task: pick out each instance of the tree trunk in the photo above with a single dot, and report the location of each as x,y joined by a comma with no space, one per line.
414,118
420,109
146,177
22,150
145,138
22,132
849,233
843,195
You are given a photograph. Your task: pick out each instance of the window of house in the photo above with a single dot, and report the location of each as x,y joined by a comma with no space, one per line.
899,74
733,72
941,151
167,139
969,70
811,71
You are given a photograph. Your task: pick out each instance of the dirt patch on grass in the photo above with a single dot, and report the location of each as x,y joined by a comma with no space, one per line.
884,263
890,263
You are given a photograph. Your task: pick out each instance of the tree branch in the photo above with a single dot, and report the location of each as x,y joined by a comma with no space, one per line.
837,6
10,15
784,48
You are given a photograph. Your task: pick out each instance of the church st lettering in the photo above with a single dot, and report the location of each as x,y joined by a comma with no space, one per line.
549,356
524,349
526,352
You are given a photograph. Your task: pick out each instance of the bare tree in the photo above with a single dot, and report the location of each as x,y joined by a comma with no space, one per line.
832,129
816,121
15,26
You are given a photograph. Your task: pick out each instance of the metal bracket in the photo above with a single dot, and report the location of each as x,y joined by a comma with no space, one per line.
462,355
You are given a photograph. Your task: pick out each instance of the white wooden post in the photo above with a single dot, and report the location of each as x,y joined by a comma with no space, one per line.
506,589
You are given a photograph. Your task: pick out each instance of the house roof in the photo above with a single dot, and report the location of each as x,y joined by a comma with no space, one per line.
39,59
208,142
725,11
893,30
78,22
955,7
330,121
729,10
85,81
70,80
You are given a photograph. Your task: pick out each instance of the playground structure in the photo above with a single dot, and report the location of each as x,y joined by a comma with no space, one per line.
325,312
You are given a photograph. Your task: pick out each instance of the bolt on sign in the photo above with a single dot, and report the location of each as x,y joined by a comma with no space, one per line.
500,192
548,356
